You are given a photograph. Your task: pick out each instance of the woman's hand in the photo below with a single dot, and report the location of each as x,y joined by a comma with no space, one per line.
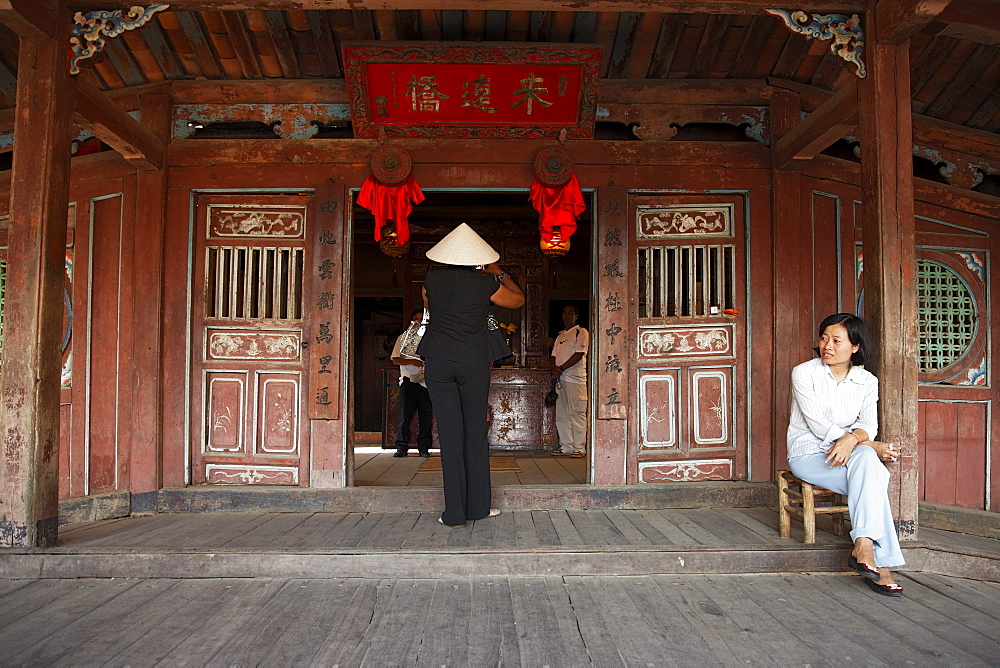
887,452
841,450
493,268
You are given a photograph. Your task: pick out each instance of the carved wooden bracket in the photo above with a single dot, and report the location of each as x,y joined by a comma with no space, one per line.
88,32
847,35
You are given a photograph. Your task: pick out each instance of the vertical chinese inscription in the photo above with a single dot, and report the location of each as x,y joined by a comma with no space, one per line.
612,331
325,305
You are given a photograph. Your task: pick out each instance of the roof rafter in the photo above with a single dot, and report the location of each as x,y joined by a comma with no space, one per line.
676,6
30,18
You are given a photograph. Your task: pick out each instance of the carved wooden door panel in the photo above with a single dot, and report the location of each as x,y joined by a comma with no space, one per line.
689,270
249,423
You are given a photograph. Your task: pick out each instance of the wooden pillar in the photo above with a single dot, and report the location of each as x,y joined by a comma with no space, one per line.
145,429
29,380
786,222
888,238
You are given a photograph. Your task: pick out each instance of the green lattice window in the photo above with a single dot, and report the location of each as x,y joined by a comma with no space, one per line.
947,317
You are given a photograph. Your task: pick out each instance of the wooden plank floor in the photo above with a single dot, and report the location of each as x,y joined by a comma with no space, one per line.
376,467
703,526
684,620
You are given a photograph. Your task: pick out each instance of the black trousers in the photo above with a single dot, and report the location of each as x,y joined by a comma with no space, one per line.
460,392
414,398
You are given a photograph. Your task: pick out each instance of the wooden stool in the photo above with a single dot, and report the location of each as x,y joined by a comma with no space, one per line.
798,497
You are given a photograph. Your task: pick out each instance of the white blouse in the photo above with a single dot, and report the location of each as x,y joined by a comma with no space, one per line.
823,410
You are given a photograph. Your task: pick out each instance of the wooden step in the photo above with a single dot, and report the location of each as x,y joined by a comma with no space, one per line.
249,498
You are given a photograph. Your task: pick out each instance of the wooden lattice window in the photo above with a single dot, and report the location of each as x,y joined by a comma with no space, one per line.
253,282
686,281
947,316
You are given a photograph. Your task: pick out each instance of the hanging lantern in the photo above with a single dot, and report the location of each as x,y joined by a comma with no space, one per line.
554,245
556,196
389,243
390,193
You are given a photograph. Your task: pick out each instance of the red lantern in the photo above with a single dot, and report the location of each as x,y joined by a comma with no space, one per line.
390,193
554,245
557,198
389,244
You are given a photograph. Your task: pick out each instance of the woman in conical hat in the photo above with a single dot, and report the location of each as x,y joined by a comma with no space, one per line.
458,294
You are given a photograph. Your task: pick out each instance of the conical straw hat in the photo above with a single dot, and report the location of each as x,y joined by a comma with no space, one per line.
462,246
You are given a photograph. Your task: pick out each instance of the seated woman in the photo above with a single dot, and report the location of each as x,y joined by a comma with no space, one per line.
833,419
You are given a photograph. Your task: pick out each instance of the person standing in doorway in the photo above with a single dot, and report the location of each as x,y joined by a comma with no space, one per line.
458,291
569,366
413,398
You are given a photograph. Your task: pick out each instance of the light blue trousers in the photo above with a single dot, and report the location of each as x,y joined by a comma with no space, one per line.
865,481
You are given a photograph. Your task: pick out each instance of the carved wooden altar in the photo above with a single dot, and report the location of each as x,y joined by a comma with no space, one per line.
521,420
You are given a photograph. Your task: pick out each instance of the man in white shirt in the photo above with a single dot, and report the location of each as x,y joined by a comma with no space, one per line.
413,397
569,365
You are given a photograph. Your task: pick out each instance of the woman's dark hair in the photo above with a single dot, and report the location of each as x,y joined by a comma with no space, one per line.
857,332
415,312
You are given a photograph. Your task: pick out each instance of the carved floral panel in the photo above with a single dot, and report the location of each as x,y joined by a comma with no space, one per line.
684,341
658,406
226,409
283,345
707,469
270,222
683,220
251,475
710,390
278,414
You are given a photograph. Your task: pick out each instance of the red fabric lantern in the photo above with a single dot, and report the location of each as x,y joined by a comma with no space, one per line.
558,207
391,203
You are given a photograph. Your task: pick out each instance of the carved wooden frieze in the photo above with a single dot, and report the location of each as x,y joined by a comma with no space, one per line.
705,469
686,341
256,222
683,220
290,121
226,344
251,475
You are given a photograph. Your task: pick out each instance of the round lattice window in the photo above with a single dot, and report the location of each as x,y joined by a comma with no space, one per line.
946,316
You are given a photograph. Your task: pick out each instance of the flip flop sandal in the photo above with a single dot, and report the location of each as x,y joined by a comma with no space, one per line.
863,569
886,589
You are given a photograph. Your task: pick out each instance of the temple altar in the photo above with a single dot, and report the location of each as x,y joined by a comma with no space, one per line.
520,418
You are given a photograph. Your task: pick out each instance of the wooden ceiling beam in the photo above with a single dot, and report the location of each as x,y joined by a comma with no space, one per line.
32,19
675,6
101,117
928,132
898,20
831,121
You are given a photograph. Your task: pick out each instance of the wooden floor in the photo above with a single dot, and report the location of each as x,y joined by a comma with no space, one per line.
380,468
696,620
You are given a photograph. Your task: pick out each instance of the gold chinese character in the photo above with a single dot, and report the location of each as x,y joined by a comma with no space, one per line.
424,95
477,94
531,88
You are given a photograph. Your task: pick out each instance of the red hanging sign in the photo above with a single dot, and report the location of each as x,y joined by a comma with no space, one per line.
417,90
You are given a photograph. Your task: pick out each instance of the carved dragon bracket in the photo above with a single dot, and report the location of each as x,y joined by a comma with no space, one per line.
90,28
846,32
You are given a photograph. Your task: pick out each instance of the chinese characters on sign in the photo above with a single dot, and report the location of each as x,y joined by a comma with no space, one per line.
475,91
326,308
613,319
